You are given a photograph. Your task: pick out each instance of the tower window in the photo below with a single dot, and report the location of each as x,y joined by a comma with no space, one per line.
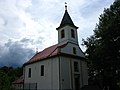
76,67
74,50
62,34
29,72
72,33
42,70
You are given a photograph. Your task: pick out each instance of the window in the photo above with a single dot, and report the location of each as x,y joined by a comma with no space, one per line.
76,68
62,34
29,72
42,70
74,50
72,33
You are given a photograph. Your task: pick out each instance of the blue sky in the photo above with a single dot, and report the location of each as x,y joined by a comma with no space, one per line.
29,24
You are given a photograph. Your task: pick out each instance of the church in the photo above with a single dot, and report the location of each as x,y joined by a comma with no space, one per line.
59,67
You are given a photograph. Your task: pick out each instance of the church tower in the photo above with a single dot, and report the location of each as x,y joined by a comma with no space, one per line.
73,66
67,31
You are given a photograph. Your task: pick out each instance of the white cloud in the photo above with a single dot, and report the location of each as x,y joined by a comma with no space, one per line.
9,13
37,20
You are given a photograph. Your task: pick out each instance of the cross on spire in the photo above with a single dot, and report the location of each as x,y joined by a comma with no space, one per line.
65,6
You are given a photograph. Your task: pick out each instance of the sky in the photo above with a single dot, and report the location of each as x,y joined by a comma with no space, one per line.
27,26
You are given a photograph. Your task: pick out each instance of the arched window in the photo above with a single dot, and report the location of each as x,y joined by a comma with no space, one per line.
74,50
42,70
72,33
29,73
62,34
76,67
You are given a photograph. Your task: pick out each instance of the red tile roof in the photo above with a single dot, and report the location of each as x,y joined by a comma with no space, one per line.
20,80
46,53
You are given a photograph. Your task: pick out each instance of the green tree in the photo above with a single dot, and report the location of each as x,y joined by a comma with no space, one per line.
7,76
103,48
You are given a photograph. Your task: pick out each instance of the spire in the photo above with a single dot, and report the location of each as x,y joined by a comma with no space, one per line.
66,20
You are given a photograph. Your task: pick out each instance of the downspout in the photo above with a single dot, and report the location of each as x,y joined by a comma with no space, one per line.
81,72
60,86
51,74
23,76
71,74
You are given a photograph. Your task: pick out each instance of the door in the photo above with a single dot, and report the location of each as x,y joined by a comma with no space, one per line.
77,83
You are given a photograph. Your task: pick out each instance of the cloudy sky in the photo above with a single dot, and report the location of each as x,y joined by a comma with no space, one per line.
29,24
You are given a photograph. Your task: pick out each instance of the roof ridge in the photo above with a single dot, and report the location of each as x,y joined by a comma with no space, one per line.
49,47
52,51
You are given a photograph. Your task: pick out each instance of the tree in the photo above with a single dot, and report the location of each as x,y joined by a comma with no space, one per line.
103,48
7,76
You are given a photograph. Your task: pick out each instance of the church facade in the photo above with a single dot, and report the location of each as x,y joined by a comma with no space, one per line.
62,66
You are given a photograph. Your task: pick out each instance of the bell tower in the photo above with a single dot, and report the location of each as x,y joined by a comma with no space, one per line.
67,31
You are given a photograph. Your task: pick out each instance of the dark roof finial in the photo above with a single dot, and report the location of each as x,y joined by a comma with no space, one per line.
65,6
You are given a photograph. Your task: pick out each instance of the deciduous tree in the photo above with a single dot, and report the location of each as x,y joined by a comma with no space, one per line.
103,48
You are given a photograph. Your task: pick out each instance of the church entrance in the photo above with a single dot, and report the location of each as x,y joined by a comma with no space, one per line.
77,82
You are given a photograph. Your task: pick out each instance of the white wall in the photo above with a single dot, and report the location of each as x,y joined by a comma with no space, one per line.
51,78
68,74
52,75
69,50
65,73
68,37
85,72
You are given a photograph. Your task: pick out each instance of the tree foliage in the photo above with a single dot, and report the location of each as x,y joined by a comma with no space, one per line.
103,48
7,76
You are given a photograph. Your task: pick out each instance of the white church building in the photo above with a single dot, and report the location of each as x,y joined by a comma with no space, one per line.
59,67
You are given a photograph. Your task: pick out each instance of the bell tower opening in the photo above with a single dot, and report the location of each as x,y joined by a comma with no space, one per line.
72,33
62,33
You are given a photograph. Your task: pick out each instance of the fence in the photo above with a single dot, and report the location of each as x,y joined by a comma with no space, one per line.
30,86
